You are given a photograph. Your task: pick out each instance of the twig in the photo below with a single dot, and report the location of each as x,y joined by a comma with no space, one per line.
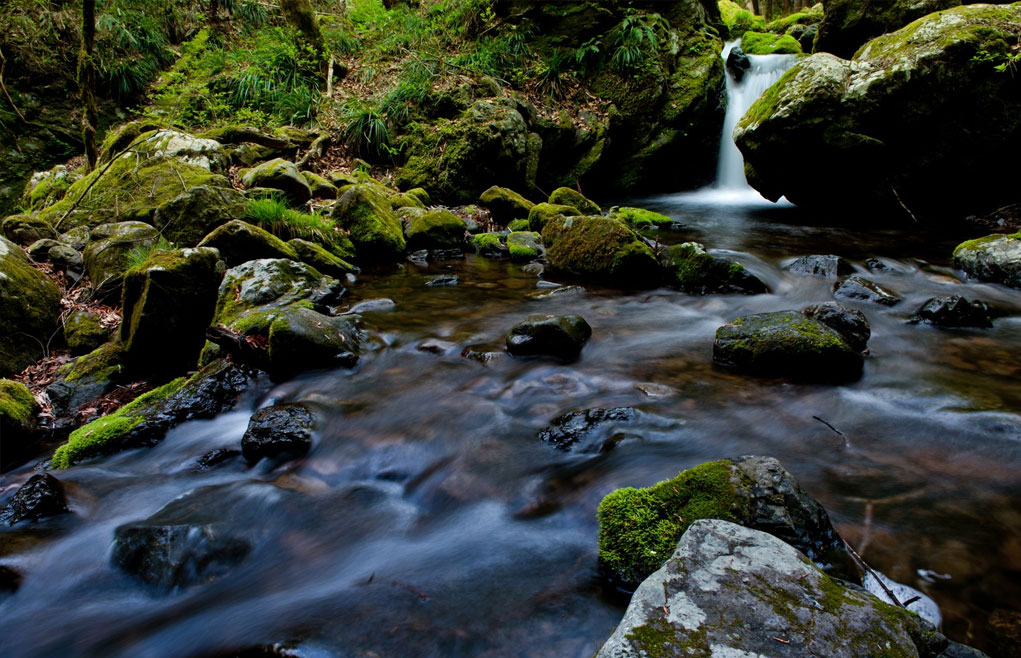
329,77
906,209
3,64
828,425
875,574
94,181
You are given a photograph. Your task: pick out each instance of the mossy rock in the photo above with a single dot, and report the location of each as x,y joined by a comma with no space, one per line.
813,16
406,200
375,231
302,339
18,410
524,245
639,218
188,218
565,196
435,229
279,174
109,254
847,24
87,378
558,336
26,229
167,305
239,242
600,249
994,258
764,43
320,186
123,135
504,204
29,309
786,344
691,269
45,188
541,213
739,20
84,332
321,259
132,189
490,245
518,225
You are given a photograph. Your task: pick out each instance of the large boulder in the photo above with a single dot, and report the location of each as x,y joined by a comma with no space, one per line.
167,305
86,379
239,242
896,129
29,309
26,229
189,217
505,205
146,420
786,344
279,174
17,420
731,591
109,255
302,339
639,527
375,231
689,267
84,332
279,431
435,229
599,249
847,24
995,258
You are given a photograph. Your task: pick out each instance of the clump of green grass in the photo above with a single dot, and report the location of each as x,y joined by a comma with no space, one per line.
272,214
141,253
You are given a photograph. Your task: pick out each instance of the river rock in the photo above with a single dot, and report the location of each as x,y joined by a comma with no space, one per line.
146,420
63,257
639,527
10,579
192,215
302,339
786,344
828,265
505,205
84,332
859,288
40,497
18,411
640,218
738,63
895,130
321,259
435,229
591,430
29,309
86,379
320,186
26,229
108,256
848,322
376,232
600,249
524,245
565,196
277,432
994,258
541,213
848,24
279,174
731,591
489,245
239,242
560,336
953,311
689,267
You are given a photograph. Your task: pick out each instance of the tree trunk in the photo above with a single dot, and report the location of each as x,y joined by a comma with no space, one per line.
87,81
302,17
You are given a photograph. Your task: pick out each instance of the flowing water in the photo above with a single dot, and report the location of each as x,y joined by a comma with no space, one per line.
428,519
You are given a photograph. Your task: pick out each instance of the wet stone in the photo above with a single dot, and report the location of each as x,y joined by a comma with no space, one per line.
848,322
443,280
860,288
10,579
591,430
559,336
828,265
738,63
40,497
278,432
214,458
370,305
953,311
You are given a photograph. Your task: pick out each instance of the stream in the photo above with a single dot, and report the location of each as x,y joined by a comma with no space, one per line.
429,520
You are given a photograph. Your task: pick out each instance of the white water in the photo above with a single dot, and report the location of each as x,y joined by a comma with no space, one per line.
730,187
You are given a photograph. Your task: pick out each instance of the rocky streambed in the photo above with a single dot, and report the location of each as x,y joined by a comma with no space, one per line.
442,500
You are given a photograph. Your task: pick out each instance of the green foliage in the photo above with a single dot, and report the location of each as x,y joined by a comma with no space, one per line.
635,41
551,78
366,130
273,215
140,254
764,43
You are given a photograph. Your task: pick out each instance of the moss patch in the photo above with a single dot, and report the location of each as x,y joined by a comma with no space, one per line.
16,402
763,43
639,218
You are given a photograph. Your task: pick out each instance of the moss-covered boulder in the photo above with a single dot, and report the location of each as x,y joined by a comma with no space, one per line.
640,218
848,24
239,242
406,200
565,196
18,409
29,309
994,258
639,528
109,255
689,267
600,249
189,217
764,43
84,332
375,231
303,339
524,245
47,187
558,336
435,229
504,204
895,130
279,174
541,213
320,186
489,245
86,379
167,305
739,20
26,229
321,259
786,344
146,420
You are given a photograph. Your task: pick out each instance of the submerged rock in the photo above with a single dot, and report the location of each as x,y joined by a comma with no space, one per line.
559,336
828,265
590,430
638,528
953,311
860,288
278,432
994,258
728,590
29,309
848,322
691,268
600,249
40,497
443,281
786,344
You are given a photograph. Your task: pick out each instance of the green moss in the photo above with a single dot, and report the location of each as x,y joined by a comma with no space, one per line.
639,528
16,402
763,43
972,245
102,364
639,218
660,639
518,225
600,248
739,20
405,200
103,435
374,230
83,331
767,103
524,245
565,196
781,25
486,242
435,229
541,213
